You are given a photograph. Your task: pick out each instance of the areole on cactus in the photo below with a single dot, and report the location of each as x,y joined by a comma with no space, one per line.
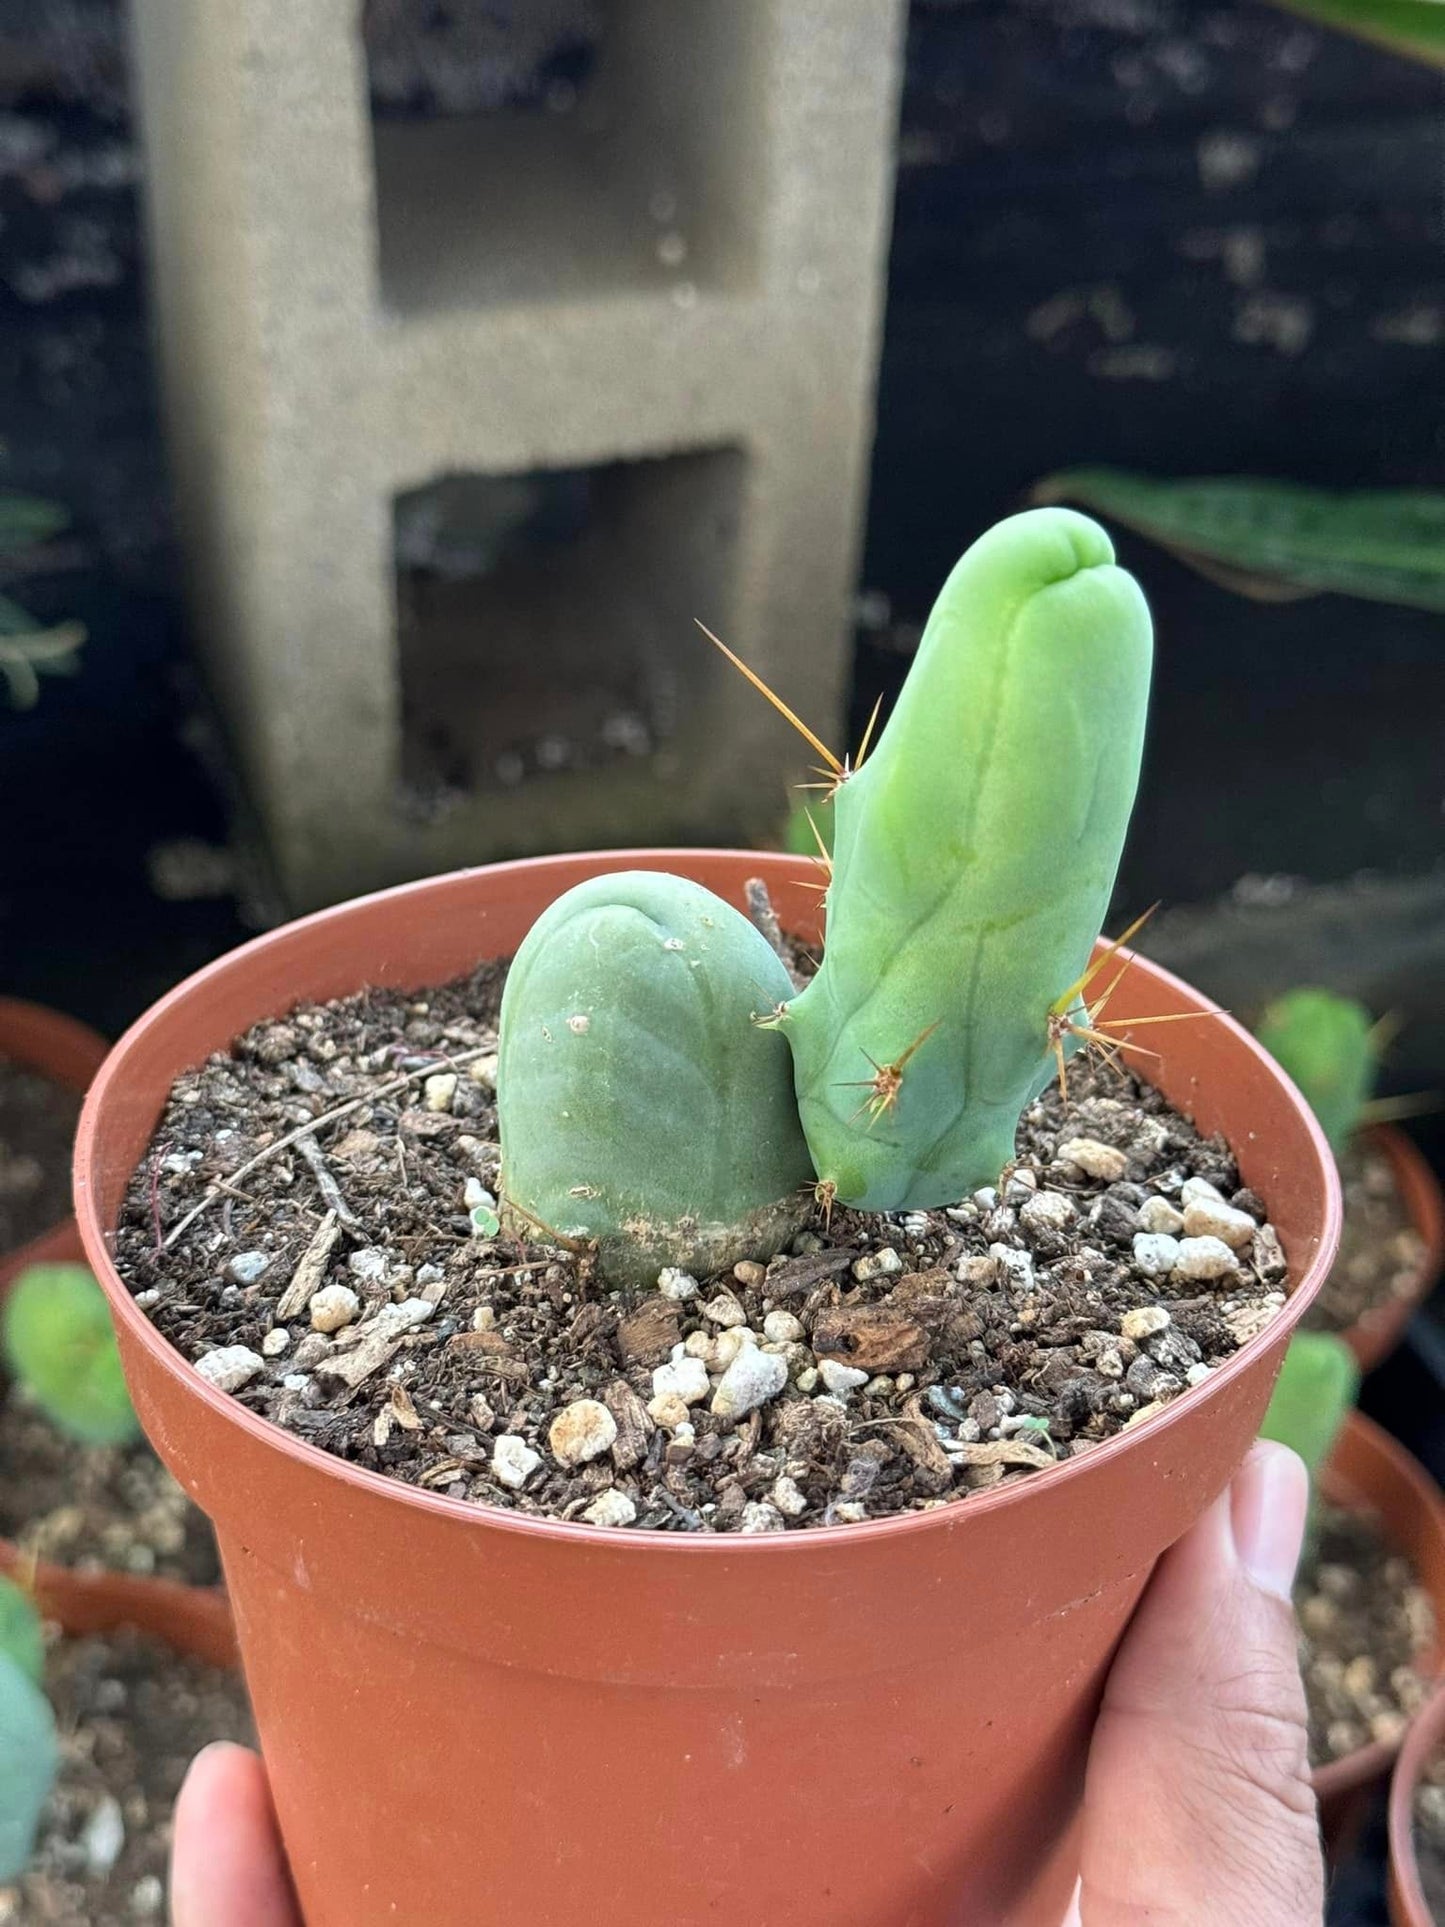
974,854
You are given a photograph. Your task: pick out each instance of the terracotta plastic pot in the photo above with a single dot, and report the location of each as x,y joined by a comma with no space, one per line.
1376,1333
69,1053
1369,1471
193,1619
1407,1898
474,1718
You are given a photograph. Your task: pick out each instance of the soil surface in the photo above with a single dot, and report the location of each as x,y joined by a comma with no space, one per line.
1365,1624
1380,1250
1430,1833
111,1506
895,1362
37,1124
131,1715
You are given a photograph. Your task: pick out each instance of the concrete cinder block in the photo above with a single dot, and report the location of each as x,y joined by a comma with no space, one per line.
659,311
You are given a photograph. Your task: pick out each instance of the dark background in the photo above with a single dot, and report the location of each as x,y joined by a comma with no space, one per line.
1182,235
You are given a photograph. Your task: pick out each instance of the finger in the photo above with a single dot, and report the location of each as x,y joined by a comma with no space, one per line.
1198,1807
227,1864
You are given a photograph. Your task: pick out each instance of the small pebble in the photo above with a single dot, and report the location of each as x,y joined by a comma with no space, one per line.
847,1512
1266,1253
1204,1258
247,1266
1155,1253
748,1274
297,1381
1197,1374
728,1344
484,1319
840,1379
513,1461
229,1367
1048,1211
611,1508
676,1284
1017,1266
1021,1186
275,1342
759,1516
985,1197
581,1432
751,1380
668,1411
479,1410
1144,1322
782,1328
369,1264
788,1498
483,1071
332,1307
311,1348
103,1836
147,1897
147,1300
687,1380
807,1379
439,1090
1198,1190
1158,1214
877,1264
1204,1218
474,1195
724,1310
1095,1160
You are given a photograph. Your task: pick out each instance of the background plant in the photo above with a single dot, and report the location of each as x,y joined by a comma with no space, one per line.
30,649
60,1345
29,1750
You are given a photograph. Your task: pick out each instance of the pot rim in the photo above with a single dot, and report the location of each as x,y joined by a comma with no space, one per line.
1379,1329
1369,1762
632,1541
1426,1731
69,1053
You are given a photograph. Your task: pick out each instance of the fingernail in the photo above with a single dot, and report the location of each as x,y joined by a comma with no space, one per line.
1267,1506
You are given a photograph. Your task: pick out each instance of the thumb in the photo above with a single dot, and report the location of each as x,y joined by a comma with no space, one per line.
1198,1808
227,1864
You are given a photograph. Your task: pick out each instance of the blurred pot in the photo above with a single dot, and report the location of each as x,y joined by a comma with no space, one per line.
1370,1472
69,1053
1408,1907
1376,1333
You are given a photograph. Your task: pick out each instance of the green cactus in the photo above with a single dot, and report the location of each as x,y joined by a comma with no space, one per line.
1328,1045
1313,1395
29,1751
641,1105
60,1344
644,1106
974,855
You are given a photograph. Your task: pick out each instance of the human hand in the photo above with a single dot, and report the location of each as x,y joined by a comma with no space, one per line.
1198,1810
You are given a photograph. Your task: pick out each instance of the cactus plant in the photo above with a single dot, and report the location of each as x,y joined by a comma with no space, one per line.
974,854
60,1344
1313,1395
29,1751
644,1092
641,1105
1328,1045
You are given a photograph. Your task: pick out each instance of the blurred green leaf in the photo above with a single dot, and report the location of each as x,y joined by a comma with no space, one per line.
25,520
1279,539
59,1342
29,1757
1415,28
1313,1395
21,1636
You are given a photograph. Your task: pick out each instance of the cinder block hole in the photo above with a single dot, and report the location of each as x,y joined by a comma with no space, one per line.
547,620
554,149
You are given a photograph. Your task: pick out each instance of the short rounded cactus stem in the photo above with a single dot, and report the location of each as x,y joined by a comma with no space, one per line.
973,858
646,1105
1329,1045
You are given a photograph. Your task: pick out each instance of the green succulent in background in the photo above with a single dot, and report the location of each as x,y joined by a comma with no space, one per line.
1277,541
1313,1395
29,1749
28,649
60,1344
646,1096
1329,1045
1414,28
